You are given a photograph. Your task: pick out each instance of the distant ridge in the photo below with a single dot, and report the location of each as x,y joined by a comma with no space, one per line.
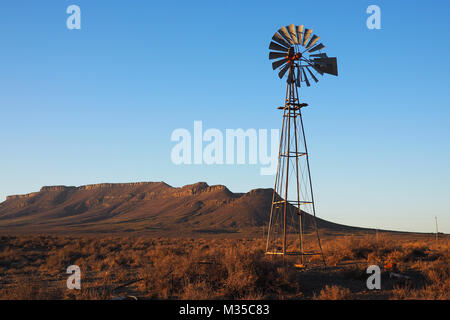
141,207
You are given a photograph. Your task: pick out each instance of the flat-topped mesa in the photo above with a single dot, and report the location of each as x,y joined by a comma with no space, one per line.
57,188
60,188
21,196
191,189
141,207
196,187
203,187
218,187
112,185
99,186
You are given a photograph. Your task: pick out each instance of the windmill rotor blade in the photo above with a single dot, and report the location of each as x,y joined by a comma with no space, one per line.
283,71
278,63
326,65
318,47
293,33
291,52
306,36
283,53
285,34
312,75
312,41
276,37
319,55
306,78
277,47
299,34
276,55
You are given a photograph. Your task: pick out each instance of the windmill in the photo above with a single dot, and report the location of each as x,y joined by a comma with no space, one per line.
299,58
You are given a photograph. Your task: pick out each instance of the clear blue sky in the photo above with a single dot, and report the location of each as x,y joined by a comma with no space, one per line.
99,104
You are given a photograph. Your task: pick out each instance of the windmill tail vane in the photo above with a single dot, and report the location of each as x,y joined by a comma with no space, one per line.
293,223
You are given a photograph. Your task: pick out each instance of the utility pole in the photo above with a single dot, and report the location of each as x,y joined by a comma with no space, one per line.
437,230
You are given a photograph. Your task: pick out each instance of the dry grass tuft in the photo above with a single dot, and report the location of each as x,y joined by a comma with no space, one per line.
333,292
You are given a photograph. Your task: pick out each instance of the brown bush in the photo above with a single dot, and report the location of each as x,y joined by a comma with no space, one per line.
333,293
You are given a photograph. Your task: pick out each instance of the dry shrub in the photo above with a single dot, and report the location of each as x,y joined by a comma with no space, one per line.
94,293
28,288
350,248
242,272
428,292
333,292
200,290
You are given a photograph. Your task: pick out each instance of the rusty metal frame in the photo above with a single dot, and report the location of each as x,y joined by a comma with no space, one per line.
291,112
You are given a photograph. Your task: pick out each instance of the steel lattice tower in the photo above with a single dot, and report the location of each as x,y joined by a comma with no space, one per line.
293,211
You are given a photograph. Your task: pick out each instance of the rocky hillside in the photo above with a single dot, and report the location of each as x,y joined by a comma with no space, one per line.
140,207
